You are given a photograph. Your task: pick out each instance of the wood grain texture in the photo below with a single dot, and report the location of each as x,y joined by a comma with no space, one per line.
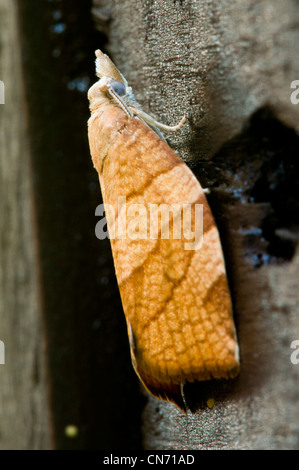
176,301
24,414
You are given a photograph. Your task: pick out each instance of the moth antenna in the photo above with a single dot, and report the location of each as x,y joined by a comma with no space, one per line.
152,122
120,102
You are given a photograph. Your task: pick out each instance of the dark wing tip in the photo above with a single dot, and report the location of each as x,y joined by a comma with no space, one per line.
168,392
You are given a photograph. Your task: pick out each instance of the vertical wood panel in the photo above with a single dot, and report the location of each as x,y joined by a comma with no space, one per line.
24,420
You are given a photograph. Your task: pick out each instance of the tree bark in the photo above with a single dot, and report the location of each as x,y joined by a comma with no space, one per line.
229,66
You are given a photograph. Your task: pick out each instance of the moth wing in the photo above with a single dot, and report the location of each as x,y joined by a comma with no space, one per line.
176,300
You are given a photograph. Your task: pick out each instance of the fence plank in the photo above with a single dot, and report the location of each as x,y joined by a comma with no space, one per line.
24,419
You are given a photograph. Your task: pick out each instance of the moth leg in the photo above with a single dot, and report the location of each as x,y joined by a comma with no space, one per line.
206,190
153,123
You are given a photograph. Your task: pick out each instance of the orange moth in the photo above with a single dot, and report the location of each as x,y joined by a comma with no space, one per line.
165,244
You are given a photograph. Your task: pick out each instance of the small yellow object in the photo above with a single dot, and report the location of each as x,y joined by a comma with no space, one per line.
210,403
71,431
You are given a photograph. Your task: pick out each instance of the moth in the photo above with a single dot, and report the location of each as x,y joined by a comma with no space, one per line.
171,276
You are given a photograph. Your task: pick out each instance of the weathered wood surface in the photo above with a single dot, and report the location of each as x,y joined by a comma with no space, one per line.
229,67
24,417
81,309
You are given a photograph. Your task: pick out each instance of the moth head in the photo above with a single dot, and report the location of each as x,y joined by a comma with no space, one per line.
111,85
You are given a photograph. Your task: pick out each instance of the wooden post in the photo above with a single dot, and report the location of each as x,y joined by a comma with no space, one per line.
24,417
